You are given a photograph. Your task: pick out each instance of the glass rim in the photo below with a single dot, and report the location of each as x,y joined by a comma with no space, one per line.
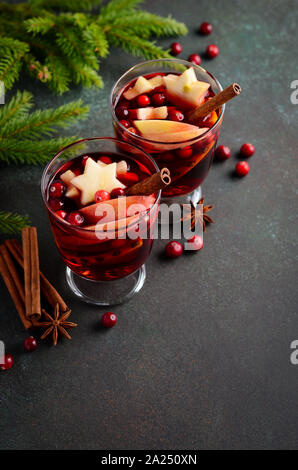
183,62
88,139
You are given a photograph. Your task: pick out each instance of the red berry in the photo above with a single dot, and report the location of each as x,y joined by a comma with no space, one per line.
106,160
212,51
176,48
223,152
195,59
101,196
109,319
56,204
57,189
242,168
30,344
158,99
175,115
75,218
173,249
128,178
122,112
186,152
247,150
8,362
125,123
206,28
117,192
143,100
196,243
61,214
132,130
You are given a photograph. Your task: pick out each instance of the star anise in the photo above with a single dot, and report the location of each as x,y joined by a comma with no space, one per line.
55,324
196,214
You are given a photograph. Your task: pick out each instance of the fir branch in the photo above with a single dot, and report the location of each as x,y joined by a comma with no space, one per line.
11,54
39,24
95,37
42,122
66,5
18,107
12,223
115,7
136,46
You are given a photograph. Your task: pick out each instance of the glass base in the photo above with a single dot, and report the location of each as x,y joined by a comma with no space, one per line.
192,197
106,293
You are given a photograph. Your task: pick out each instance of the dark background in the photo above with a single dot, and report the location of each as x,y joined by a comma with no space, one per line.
200,358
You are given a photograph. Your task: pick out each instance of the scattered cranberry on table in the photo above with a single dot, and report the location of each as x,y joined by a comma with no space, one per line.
176,48
206,28
195,59
109,319
196,243
212,51
117,192
158,99
222,152
8,362
75,218
101,196
242,168
175,115
173,249
30,344
57,189
247,150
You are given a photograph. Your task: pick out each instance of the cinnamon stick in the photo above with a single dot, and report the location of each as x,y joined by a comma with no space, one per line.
150,185
9,274
215,102
31,272
48,290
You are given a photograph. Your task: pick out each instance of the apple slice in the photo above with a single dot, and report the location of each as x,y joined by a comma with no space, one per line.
152,113
143,85
115,209
186,89
71,191
168,131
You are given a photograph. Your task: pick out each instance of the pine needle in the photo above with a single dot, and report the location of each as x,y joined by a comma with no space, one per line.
12,223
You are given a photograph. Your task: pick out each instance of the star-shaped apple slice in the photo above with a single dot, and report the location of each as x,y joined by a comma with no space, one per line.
94,178
185,90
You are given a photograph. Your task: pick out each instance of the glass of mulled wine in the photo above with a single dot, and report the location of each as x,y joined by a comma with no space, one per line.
103,236
150,106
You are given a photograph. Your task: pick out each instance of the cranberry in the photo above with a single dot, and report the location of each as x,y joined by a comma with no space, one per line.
128,178
106,160
186,152
56,204
212,51
223,152
242,168
176,48
117,192
30,344
209,120
122,112
195,59
75,218
101,196
158,99
143,100
173,249
61,214
132,130
206,28
8,362
109,319
196,243
175,115
247,150
125,123
57,189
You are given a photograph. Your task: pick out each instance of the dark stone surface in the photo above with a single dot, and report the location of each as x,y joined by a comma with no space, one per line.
200,358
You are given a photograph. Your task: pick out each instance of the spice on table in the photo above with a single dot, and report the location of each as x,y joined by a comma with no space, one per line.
31,272
55,324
